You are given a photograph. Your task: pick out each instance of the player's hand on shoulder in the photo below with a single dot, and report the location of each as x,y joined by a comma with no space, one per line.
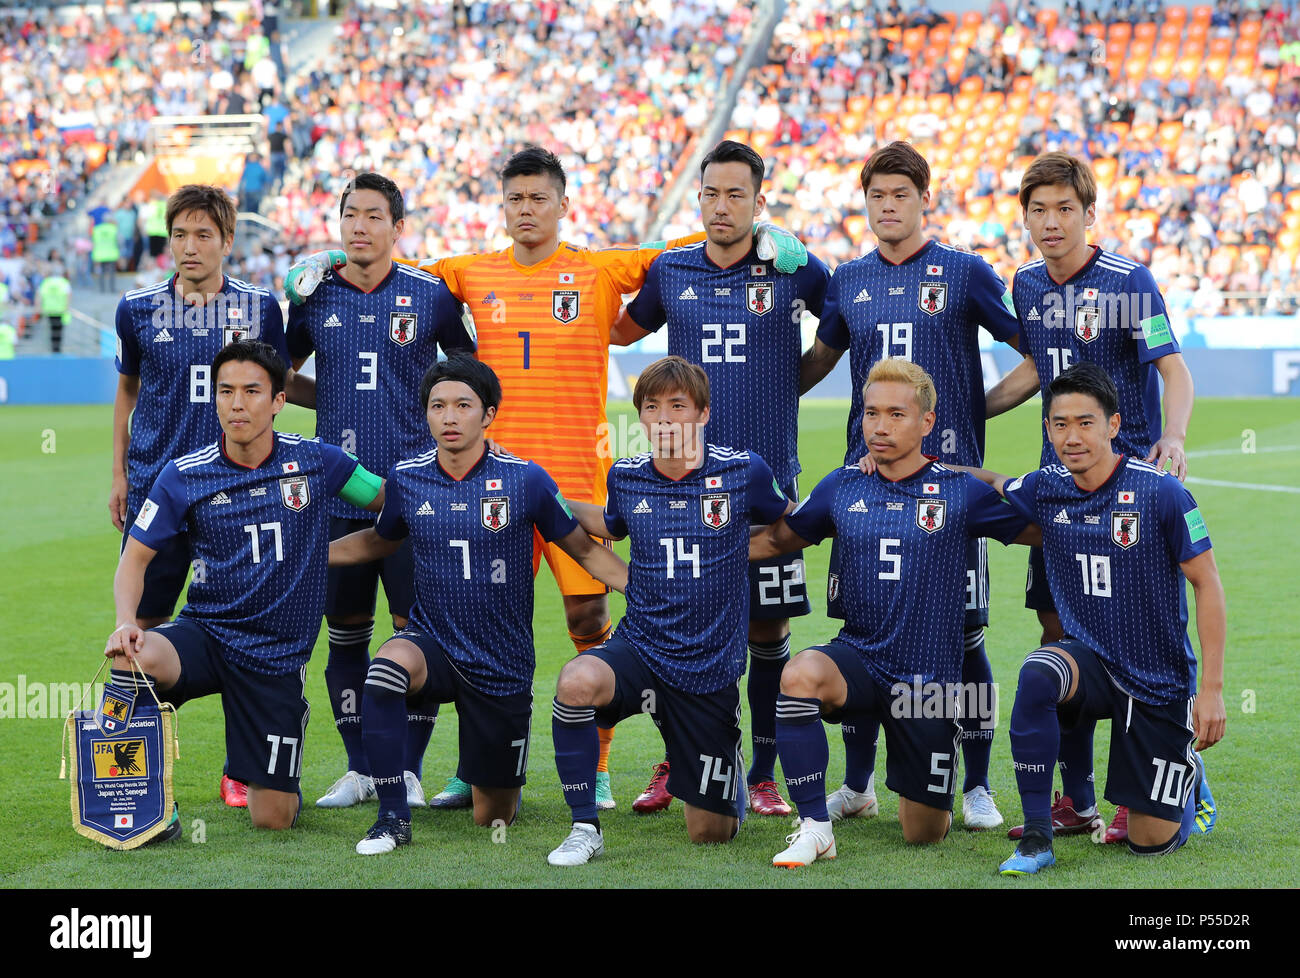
777,245
1209,718
117,502
867,464
303,277
1171,450
127,639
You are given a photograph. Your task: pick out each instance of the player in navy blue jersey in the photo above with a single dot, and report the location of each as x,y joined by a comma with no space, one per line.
898,660
167,335
926,302
253,506
1120,537
375,327
730,312
470,514
680,650
1076,304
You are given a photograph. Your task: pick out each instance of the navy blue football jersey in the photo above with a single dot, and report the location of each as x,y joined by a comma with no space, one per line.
1112,560
472,541
903,562
688,573
260,538
372,350
927,309
170,345
741,324
1110,313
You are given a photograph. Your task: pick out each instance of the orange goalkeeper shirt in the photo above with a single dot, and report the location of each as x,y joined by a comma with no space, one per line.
544,329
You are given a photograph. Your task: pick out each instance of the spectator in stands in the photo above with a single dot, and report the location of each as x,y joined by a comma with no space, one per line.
252,184
54,295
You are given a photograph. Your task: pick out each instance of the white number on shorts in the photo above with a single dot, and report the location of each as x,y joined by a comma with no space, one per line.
715,770
691,556
895,560
770,581
940,767
522,747
292,744
1170,774
1096,574
464,554
252,529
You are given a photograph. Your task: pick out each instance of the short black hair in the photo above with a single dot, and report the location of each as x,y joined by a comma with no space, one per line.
252,351
730,151
475,374
376,181
1086,378
532,160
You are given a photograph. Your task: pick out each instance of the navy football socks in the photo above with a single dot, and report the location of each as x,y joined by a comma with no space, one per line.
801,743
384,732
345,675
977,730
765,665
577,750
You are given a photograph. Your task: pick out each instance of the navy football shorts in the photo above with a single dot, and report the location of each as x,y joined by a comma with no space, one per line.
778,586
976,593
921,751
493,729
266,716
164,578
1038,595
701,731
1152,768
351,590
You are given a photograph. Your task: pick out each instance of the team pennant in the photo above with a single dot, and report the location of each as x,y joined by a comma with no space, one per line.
115,708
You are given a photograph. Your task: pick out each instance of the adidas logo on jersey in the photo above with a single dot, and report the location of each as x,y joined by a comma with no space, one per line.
425,509
859,507
1062,517
332,321
163,336
863,296
642,507
689,293
220,499
1034,314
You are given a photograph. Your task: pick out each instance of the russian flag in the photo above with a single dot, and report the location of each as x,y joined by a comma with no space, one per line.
75,127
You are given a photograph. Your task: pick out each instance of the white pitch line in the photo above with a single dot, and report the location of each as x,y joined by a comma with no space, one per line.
1242,485
1207,452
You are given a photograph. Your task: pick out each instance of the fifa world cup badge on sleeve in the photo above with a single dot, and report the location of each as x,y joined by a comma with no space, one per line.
122,754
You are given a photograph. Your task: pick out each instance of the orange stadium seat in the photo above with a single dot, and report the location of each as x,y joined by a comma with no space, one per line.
940,35
964,36
1095,30
1176,16
1202,13
951,137
1166,48
1196,33
855,225
1269,77
963,102
1171,132
1022,83
1261,253
1145,31
1244,64
1127,188
1047,19
1189,66
1007,210
913,39
1250,29
1220,47
972,86
1115,51
1171,29
978,208
972,18
1162,68
1216,68
1018,103
1291,220
1142,131
1043,102
1104,167
1140,49
1289,241
1120,31
940,105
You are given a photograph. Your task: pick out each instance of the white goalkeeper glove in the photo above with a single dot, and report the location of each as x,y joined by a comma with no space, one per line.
777,245
310,272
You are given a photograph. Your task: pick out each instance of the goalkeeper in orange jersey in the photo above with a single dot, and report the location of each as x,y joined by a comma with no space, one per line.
543,310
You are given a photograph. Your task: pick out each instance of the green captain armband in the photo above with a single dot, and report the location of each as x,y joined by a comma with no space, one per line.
656,245
362,487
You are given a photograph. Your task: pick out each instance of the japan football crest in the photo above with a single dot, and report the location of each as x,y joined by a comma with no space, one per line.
832,586
564,305
235,334
1087,323
758,297
715,509
495,512
401,327
934,297
1124,528
930,514
294,492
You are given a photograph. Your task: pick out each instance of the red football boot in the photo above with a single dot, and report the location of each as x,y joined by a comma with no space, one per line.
1117,830
234,793
1065,820
764,799
655,798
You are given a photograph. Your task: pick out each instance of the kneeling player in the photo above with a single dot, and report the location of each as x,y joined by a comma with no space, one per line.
1119,537
253,504
903,532
680,650
470,514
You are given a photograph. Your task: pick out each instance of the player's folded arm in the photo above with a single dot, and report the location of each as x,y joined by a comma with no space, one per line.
598,561
775,539
592,520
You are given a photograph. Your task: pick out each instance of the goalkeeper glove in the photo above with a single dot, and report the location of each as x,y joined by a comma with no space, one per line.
777,245
309,273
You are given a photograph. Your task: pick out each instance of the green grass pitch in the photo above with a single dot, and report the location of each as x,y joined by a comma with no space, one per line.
56,563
